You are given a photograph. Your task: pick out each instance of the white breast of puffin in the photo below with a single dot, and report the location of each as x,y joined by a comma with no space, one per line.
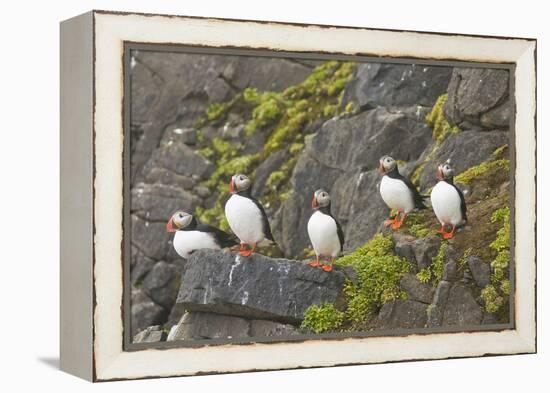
396,194
245,219
446,203
187,241
323,234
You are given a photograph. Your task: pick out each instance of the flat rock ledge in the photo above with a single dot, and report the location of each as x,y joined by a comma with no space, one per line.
256,287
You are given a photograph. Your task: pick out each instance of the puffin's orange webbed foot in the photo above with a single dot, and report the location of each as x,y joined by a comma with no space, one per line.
247,253
449,235
396,225
327,268
389,222
314,263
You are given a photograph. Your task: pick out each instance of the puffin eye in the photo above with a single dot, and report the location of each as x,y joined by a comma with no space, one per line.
180,215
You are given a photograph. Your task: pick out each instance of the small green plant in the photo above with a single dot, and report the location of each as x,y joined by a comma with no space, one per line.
323,318
215,110
379,272
435,270
491,298
439,123
424,275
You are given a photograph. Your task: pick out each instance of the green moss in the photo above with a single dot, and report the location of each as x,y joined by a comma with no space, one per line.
323,318
499,151
495,294
469,174
269,108
418,230
275,179
435,270
379,272
215,110
491,298
424,275
437,121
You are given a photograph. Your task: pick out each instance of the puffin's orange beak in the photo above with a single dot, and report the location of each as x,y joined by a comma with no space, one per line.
439,174
170,226
381,169
231,186
314,204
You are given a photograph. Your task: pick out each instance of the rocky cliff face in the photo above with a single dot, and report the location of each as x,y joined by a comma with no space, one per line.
296,126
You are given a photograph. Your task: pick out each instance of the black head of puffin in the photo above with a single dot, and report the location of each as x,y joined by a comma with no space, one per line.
445,171
239,183
321,199
178,220
386,164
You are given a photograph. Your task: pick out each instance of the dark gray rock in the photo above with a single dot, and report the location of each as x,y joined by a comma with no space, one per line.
442,293
164,176
450,271
265,73
416,290
425,249
202,191
180,159
157,202
498,117
271,164
152,334
358,142
461,308
465,149
403,246
434,316
474,92
218,90
186,136
263,328
481,271
199,325
162,284
402,314
396,85
489,319
436,309
144,312
142,266
150,238
450,267
256,287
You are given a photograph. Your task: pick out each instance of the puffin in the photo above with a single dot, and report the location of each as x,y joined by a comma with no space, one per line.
325,232
246,216
398,192
190,236
448,201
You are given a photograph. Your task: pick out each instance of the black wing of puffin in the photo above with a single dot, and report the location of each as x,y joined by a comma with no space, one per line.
265,221
418,199
223,239
462,202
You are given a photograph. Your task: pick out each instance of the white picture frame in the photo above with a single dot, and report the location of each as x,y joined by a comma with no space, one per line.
92,140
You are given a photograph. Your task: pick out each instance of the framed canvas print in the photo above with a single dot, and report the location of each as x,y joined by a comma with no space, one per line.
243,195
